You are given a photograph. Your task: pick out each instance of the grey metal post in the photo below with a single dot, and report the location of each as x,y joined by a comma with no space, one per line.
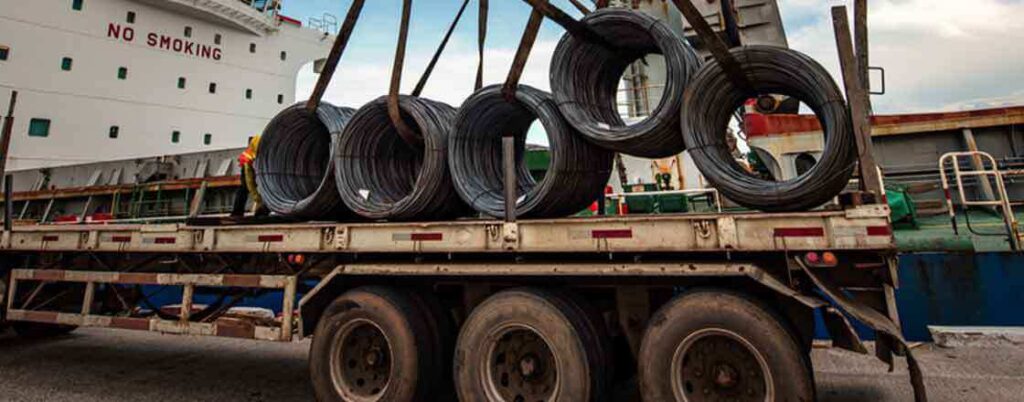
508,154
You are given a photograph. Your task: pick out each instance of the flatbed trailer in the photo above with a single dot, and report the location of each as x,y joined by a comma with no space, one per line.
667,307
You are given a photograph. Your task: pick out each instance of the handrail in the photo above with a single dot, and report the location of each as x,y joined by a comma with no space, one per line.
1003,201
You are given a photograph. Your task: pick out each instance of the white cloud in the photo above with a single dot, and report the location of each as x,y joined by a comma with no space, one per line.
452,81
938,54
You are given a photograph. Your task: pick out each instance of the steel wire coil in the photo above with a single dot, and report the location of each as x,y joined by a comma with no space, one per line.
294,168
711,100
382,177
585,80
576,175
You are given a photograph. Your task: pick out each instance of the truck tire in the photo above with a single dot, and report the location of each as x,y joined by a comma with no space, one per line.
376,344
720,345
531,345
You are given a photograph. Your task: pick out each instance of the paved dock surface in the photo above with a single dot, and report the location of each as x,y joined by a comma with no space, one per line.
102,365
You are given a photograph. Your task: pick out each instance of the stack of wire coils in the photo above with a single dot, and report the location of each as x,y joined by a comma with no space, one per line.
382,176
575,178
585,78
294,167
344,164
712,100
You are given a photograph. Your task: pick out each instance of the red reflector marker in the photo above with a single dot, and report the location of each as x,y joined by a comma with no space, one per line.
799,232
612,234
165,240
51,238
426,236
275,238
120,239
879,231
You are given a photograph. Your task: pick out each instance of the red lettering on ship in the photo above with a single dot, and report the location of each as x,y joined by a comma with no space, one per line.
155,40
117,32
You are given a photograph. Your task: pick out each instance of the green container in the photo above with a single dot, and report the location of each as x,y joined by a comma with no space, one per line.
673,203
641,204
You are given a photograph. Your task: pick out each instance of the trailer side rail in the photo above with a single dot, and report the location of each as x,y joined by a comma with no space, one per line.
185,325
861,228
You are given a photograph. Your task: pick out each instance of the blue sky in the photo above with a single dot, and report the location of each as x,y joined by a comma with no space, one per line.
377,32
938,54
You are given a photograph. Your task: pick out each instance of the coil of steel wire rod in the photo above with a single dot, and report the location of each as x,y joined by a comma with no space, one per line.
294,168
380,176
576,176
585,80
712,99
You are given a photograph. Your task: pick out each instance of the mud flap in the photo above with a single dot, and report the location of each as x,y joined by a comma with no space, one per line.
888,331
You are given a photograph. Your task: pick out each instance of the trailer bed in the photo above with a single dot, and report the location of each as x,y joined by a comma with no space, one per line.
859,228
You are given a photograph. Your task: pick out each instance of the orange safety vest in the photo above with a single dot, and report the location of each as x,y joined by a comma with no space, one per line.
249,155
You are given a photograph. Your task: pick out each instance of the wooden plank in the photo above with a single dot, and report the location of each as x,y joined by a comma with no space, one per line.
860,105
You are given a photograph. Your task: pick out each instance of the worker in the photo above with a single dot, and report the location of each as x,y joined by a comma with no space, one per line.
246,161
734,149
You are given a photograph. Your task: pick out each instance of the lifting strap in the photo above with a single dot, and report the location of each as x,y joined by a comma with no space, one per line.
336,51
522,55
440,49
394,109
574,27
579,6
481,41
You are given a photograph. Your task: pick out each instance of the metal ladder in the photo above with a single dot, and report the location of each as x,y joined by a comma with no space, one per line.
1000,201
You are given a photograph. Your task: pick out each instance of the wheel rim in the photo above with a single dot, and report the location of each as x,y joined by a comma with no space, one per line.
719,365
520,366
360,361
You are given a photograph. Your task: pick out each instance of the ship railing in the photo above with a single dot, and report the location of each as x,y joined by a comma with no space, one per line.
984,168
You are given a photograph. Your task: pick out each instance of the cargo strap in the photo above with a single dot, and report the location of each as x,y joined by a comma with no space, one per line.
440,49
719,49
394,109
332,59
522,55
579,6
574,27
481,41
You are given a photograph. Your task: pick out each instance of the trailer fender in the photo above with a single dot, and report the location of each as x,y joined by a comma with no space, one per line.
886,329
313,303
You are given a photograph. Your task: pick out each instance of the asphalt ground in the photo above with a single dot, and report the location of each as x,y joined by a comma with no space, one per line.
104,365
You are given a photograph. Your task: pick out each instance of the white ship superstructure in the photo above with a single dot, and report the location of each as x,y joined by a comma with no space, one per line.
117,79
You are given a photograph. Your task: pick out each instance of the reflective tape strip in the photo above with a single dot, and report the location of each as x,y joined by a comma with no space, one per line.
159,240
879,231
612,234
271,238
434,236
799,232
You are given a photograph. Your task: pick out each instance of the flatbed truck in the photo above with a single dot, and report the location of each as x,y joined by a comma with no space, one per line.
687,307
